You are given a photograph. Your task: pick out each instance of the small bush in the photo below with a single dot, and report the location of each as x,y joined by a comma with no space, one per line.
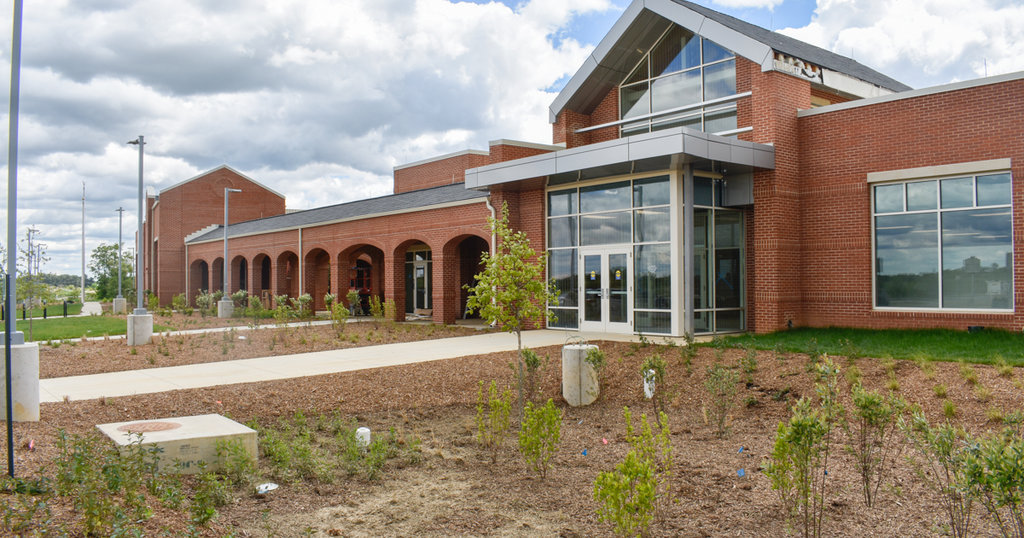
942,451
492,418
748,364
539,435
967,372
940,390
722,385
179,302
688,352
949,409
653,372
873,442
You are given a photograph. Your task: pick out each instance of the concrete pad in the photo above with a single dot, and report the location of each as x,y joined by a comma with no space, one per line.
225,308
183,442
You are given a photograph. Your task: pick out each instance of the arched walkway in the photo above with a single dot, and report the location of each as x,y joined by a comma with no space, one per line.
217,275
239,274
459,262
198,279
287,270
361,268
413,264
317,277
260,281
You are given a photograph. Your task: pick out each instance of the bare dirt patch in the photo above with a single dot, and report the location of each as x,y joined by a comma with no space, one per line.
456,490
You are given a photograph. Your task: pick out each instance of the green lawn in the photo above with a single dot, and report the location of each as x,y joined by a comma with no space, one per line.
986,346
54,310
74,328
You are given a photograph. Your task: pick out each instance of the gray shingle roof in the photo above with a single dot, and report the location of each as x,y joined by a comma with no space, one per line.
799,49
350,210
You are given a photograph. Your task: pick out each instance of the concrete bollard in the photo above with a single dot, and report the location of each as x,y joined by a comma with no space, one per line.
579,380
140,329
120,305
24,383
225,308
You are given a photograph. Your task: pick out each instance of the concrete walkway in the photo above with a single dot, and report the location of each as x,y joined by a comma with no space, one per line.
299,365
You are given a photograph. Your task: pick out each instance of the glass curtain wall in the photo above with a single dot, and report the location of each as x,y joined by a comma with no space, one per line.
681,69
633,212
718,259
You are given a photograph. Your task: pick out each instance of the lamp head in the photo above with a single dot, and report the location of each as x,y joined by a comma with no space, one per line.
232,190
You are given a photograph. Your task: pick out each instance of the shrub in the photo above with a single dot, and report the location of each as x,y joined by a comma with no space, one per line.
596,359
941,466
329,299
799,459
339,316
688,352
748,363
533,364
721,383
376,307
940,390
995,467
235,462
179,302
301,305
629,496
872,432
653,372
492,418
153,303
949,409
539,435
353,302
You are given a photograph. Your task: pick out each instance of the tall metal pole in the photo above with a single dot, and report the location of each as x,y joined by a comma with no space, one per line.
139,248
12,225
83,243
225,266
120,217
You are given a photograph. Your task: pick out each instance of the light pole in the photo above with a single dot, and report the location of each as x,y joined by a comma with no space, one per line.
120,217
140,322
139,309
227,191
226,307
83,243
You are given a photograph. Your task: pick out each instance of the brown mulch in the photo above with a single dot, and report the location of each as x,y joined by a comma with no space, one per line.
456,490
71,358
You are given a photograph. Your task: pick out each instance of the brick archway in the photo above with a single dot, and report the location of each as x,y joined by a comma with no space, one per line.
458,263
286,270
217,275
199,279
361,268
316,278
239,274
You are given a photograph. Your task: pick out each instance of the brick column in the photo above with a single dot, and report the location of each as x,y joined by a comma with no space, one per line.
394,281
446,284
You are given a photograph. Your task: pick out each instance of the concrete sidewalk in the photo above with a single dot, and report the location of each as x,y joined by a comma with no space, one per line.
299,365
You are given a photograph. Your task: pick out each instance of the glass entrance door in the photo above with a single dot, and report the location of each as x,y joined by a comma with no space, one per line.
421,289
606,290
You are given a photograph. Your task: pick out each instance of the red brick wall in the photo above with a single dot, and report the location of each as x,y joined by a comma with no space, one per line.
437,173
194,205
386,239
840,148
775,300
832,98
508,152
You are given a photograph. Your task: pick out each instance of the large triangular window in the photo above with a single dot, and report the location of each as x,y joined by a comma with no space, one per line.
681,70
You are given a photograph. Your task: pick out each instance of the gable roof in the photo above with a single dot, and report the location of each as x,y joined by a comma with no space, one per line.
224,167
643,22
454,194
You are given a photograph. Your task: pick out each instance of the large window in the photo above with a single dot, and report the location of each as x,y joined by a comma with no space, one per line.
718,261
681,69
631,212
944,243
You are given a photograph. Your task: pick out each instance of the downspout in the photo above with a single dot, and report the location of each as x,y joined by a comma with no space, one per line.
300,262
187,300
494,236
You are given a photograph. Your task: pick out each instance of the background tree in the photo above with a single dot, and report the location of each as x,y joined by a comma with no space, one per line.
511,290
103,264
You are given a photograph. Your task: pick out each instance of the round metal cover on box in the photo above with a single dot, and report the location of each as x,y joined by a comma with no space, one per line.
149,426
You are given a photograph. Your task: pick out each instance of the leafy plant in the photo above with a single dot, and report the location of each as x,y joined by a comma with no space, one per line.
539,435
511,290
339,317
630,495
872,430
799,460
533,363
688,352
940,390
942,451
748,363
994,466
353,302
722,384
237,465
179,302
492,418
653,372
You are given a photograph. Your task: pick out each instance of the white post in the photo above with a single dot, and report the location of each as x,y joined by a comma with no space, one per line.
83,243
120,305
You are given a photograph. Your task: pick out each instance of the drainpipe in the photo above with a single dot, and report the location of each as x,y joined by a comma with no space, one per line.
493,216
300,262
188,301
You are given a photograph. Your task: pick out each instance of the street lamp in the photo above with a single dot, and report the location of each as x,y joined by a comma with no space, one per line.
226,266
139,309
120,218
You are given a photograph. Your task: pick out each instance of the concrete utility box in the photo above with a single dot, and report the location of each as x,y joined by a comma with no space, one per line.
185,439
120,305
579,380
24,382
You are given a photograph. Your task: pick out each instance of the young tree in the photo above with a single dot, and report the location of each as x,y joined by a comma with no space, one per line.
511,290
103,265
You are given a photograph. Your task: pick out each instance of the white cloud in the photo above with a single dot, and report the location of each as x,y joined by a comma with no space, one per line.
923,42
317,99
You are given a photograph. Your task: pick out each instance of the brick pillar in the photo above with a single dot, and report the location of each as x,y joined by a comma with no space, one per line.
394,281
777,259
446,284
337,288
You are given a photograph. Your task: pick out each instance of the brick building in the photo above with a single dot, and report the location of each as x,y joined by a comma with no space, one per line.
707,175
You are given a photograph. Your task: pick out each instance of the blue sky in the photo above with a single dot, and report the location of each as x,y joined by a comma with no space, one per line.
320,99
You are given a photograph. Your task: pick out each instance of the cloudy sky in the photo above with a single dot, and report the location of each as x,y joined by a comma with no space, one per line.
319,99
